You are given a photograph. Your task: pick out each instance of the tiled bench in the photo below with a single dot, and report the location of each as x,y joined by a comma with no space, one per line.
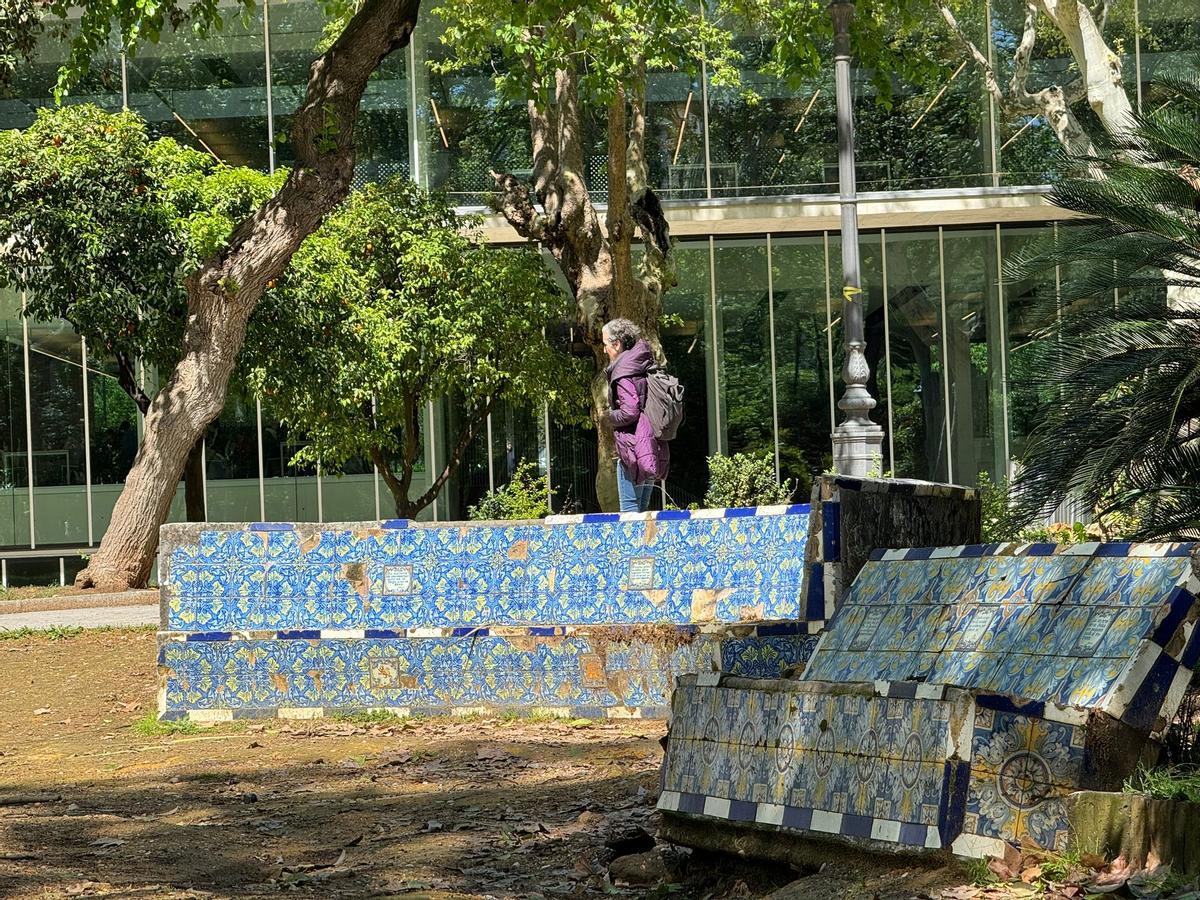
593,615
1052,667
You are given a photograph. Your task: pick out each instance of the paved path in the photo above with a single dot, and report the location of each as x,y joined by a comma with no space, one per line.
91,617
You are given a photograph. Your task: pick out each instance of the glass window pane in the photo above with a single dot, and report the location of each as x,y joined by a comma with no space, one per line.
350,496
14,460
687,344
914,319
744,348
1024,303
56,414
469,484
802,358
675,135
973,349
33,82
1170,40
114,425
1027,144
231,459
465,129
290,491
207,92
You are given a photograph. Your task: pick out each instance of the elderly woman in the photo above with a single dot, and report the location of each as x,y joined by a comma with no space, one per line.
642,458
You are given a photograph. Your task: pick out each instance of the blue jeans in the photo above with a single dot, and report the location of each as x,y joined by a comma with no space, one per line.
634,497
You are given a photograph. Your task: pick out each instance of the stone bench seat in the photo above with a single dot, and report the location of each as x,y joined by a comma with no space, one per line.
957,696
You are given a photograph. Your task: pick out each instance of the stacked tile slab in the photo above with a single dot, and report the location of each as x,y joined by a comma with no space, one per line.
956,698
591,615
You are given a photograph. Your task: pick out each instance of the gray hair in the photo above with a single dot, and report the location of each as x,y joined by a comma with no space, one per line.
623,331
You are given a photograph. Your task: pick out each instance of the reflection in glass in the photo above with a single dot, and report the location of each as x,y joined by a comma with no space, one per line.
56,418
32,83
914,318
870,252
973,348
231,461
686,342
1025,303
207,92
744,347
14,461
465,129
802,358
114,434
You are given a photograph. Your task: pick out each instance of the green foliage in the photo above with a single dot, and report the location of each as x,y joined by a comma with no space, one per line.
745,480
607,42
53,633
20,25
149,725
893,39
1116,382
1165,783
524,497
999,522
101,224
395,302
1002,522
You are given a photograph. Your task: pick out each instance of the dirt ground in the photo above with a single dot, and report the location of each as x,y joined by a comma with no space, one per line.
91,805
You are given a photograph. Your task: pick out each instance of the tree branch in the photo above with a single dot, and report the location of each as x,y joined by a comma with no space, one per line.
1023,56
384,467
127,379
514,202
981,60
456,454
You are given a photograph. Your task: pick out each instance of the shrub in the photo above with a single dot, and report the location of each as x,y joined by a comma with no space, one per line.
745,480
525,497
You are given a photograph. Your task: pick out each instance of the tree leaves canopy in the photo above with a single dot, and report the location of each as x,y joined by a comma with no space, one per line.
1118,361
396,301
99,224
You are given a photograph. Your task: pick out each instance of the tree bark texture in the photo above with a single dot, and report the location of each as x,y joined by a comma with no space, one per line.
224,291
597,260
1099,82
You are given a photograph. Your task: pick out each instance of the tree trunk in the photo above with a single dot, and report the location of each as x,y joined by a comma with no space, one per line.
193,483
597,262
223,292
1099,66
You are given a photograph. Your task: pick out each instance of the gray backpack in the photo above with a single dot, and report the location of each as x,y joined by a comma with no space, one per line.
664,403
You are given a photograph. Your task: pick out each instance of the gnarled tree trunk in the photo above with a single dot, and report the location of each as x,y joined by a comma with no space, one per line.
597,262
224,291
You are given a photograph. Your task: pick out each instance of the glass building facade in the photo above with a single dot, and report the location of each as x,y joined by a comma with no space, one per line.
950,191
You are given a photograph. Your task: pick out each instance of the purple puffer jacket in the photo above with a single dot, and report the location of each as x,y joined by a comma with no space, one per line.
645,457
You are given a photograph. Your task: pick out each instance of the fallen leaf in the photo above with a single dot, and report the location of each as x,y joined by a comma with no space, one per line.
1032,874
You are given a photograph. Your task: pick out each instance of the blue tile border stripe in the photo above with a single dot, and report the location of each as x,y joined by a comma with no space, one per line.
667,515
731,631
1092,549
799,818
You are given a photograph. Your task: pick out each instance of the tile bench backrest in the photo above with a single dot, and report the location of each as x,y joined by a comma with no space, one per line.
1109,627
713,566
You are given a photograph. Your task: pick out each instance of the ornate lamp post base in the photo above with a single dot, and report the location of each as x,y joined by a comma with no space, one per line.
858,451
857,441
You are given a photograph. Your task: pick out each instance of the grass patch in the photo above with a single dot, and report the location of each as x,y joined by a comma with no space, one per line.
150,726
369,717
978,873
61,632
1165,783
54,632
